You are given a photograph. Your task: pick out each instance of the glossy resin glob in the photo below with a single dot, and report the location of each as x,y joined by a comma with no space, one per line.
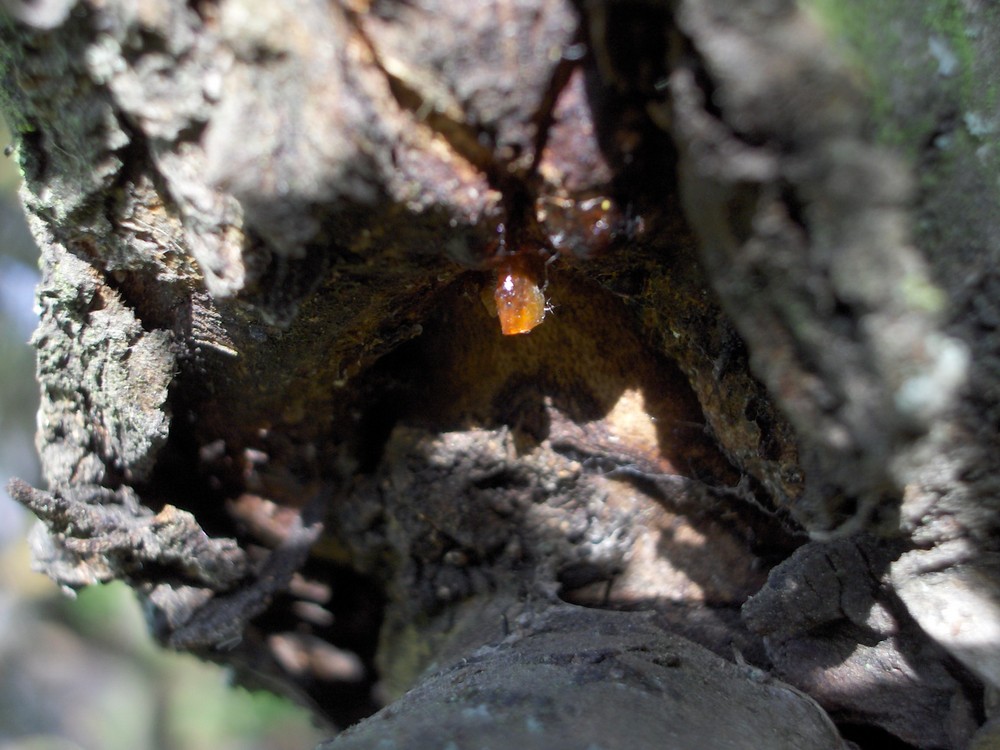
519,300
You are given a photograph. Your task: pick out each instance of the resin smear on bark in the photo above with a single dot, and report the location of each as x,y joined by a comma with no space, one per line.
737,459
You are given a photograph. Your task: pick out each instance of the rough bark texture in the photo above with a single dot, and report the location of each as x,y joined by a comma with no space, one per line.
666,691
762,405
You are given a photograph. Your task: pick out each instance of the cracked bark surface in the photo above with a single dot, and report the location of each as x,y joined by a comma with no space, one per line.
275,402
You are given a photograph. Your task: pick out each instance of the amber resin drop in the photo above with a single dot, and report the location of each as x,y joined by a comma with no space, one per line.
520,303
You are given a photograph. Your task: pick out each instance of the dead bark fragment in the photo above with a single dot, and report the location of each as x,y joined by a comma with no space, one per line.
98,535
221,622
833,627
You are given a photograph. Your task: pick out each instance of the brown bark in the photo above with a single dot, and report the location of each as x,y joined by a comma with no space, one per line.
277,403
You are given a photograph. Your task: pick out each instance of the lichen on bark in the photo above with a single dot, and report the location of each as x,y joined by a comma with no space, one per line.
105,411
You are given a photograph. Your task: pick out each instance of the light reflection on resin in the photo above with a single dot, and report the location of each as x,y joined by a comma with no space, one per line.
519,300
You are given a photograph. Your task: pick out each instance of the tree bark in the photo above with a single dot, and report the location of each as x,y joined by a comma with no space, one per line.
760,402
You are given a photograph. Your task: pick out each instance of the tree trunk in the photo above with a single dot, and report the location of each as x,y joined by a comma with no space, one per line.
750,385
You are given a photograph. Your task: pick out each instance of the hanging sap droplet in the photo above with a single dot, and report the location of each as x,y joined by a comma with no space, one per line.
520,303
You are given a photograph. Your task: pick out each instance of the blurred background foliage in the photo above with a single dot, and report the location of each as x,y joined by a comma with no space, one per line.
82,674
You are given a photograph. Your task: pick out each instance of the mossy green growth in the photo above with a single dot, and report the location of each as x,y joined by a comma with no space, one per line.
860,28
403,653
929,67
920,294
947,19
900,47
10,53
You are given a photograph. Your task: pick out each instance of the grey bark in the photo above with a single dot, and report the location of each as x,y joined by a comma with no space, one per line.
666,691
274,403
